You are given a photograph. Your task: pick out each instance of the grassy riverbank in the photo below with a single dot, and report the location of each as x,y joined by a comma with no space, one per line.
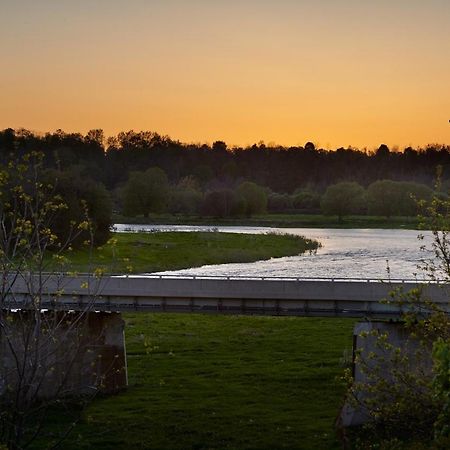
278,220
223,382
152,252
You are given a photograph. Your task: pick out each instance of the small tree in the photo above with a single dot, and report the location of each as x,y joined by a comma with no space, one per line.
146,192
383,198
405,391
389,198
255,197
34,341
342,199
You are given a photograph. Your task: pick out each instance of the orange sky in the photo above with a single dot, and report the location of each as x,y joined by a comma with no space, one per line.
337,72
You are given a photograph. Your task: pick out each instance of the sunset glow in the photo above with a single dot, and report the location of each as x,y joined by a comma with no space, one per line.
336,72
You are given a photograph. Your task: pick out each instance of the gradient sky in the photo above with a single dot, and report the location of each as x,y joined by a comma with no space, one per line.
337,72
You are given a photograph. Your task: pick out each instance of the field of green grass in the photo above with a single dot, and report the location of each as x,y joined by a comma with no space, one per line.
223,382
279,220
152,252
216,382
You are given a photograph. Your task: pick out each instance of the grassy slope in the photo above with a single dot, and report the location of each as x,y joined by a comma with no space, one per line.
223,382
279,220
150,252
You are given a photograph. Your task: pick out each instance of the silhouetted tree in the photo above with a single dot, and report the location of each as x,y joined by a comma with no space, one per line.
383,151
280,169
219,146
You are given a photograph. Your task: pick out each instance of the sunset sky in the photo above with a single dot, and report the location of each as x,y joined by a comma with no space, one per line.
337,72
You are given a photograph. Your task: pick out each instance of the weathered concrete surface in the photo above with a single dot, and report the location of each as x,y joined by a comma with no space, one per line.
384,364
65,354
232,296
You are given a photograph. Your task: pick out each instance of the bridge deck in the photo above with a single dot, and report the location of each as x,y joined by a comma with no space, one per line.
236,295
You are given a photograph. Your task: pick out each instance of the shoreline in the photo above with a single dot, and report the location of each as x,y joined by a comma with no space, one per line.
278,221
157,252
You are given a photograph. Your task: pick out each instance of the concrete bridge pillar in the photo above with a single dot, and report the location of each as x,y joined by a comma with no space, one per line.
375,358
62,354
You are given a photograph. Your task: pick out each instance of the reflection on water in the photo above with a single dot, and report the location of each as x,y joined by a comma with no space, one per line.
345,253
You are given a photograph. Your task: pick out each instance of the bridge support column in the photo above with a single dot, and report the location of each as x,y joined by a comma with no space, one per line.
63,353
375,359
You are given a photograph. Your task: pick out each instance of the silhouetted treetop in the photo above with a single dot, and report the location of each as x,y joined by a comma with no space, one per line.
110,160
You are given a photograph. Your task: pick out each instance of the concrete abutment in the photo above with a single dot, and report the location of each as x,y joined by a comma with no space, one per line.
61,354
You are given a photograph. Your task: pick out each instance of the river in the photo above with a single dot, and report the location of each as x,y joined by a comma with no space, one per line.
345,253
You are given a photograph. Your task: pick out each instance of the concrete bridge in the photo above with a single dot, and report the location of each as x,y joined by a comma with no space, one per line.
336,297
101,300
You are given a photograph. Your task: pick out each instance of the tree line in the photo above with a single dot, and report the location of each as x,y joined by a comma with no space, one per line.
217,180
150,192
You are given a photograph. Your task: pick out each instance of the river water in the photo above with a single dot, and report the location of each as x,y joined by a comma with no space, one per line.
345,253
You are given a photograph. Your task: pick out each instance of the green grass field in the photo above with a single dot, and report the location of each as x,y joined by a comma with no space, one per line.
223,382
217,382
279,220
151,252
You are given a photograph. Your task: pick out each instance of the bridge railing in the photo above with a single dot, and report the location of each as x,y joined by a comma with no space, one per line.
175,276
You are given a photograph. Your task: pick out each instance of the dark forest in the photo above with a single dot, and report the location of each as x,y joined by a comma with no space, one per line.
198,178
